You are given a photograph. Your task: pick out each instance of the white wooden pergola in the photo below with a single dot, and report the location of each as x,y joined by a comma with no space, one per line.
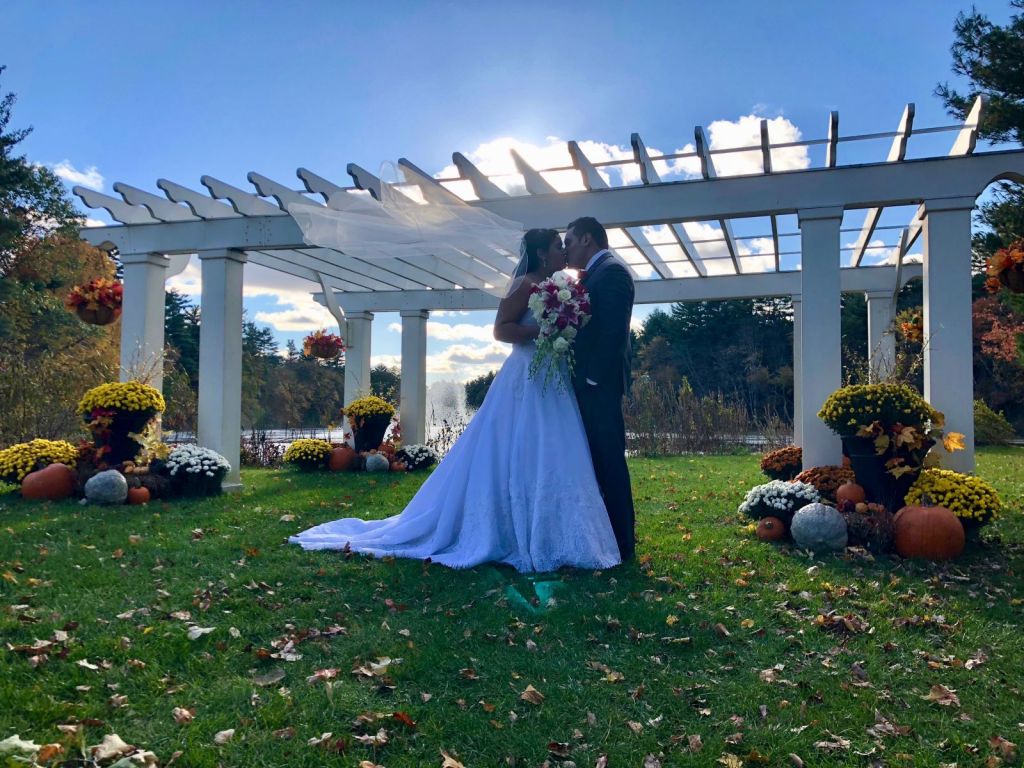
228,227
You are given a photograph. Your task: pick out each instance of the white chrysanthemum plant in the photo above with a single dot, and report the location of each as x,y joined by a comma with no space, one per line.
195,470
778,498
416,456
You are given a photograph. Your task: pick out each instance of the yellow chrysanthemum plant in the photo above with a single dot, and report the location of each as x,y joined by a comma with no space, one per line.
892,420
308,454
18,460
970,498
117,414
369,418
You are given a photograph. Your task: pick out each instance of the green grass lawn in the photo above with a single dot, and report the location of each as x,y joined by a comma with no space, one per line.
706,651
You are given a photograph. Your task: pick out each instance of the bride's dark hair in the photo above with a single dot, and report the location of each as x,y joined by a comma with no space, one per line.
535,241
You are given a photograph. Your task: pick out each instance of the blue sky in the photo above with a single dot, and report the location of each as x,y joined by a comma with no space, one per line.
132,92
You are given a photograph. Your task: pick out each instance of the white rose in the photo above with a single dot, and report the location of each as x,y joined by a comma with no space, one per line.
564,294
569,333
561,345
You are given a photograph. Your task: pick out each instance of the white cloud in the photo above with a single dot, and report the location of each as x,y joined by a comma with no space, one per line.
189,282
90,177
95,222
457,362
457,332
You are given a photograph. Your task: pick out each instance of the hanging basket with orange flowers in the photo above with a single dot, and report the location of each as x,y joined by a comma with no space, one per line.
322,344
1006,268
97,302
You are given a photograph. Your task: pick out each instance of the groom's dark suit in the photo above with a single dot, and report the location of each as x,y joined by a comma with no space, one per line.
602,352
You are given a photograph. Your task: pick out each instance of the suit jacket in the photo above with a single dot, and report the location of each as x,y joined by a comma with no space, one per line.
602,348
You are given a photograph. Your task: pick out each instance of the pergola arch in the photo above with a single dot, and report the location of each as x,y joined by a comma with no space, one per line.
229,227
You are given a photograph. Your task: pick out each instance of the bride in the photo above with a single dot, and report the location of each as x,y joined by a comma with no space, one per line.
518,487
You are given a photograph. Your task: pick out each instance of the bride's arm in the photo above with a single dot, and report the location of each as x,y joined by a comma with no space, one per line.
511,308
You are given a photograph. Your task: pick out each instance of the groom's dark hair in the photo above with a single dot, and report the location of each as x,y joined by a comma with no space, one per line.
588,225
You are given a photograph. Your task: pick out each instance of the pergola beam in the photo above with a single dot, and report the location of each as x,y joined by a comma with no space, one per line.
707,169
856,186
768,285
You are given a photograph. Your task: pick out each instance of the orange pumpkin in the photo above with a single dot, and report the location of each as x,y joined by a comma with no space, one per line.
52,483
850,492
398,466
770,529
930,533
138,495
341,458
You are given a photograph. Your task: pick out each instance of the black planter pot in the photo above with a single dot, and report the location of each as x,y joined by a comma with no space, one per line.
370,434
869,468
122,447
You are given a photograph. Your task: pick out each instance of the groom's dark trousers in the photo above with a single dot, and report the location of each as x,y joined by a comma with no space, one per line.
601,378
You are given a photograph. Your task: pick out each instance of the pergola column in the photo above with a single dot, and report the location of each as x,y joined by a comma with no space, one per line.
798,403
357,355
220,357
948,347
820,332
142,317
414,375
881,339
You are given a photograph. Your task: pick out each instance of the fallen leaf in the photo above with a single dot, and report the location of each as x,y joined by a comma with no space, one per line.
379,739
117,701
223,737
183,716
195,631
323,674
695,743
652,761
559,748
634,726
15,745
722,631
270,677
1007,749
942,695
111,747
837,744
48,752
450,762
730,761
284,733
532,695
322,739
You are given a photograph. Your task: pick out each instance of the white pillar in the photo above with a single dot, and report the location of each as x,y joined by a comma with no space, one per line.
820,335
220,357
798,403
414,376
357,355
881,338
948,346
142,318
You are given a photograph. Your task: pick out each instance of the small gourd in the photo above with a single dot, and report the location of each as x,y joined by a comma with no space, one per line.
770,529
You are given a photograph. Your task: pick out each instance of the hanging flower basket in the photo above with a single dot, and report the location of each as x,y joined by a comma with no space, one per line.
1006,268
323,345
97,302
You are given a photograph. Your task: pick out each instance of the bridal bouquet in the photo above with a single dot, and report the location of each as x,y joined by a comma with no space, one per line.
562,306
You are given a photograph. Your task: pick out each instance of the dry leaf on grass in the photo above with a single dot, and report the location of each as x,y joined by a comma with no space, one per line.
532,695
447,761
223,737
942,695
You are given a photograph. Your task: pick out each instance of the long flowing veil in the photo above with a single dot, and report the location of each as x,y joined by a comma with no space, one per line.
418,223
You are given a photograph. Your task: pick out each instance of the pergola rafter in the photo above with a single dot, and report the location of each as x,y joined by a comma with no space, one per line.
229,226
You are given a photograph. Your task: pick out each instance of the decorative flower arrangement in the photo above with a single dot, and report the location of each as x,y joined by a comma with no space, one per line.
911,325
322,344
783,463
778,498
118,415
18,460
196,471
1006,268
561,306
849,408
416,456
868,525
122,396
969,498
97,302
826,480
308,454
369,418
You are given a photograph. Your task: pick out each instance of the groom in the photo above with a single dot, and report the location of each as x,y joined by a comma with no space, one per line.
602,370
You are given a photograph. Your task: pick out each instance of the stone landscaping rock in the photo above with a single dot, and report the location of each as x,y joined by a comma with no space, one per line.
819,527
377,462
107,487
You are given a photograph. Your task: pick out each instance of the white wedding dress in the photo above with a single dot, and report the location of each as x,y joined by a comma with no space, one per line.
518,487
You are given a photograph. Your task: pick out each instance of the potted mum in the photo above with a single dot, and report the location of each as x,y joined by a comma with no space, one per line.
323,345
1006,268
970,498
196,471
97,302
308,454
118,414
886,429
778,498
369,418
783,463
